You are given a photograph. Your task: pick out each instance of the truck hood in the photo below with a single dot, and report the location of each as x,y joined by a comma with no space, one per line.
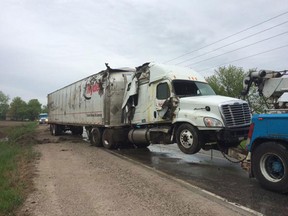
194,109
209,100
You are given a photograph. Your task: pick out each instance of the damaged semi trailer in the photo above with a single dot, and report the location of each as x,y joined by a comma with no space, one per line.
149,104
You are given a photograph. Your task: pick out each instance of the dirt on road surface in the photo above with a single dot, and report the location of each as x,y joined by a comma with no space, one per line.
74,178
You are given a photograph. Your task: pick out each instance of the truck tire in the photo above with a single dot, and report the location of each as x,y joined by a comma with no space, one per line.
188,139
270,166
108,140
51,129
95,137
55,129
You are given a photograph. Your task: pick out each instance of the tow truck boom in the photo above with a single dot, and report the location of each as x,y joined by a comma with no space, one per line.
271,84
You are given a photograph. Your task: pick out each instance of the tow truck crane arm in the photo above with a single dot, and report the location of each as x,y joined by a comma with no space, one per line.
262,79
270,84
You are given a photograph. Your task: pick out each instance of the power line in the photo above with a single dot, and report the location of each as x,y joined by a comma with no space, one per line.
245,57
233,42
228,37
238,48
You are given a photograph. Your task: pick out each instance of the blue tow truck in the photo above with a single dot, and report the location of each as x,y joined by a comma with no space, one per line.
268,146
267,141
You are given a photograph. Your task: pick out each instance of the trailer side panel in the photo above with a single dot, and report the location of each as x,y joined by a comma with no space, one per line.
95,100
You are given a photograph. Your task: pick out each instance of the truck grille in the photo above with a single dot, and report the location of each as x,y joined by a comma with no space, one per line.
237,114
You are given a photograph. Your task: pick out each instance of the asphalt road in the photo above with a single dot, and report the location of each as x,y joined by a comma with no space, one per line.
212,173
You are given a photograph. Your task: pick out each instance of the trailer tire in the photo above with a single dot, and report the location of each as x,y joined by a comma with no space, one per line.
108,140
51,129
188,139
95,137
270,166
55,129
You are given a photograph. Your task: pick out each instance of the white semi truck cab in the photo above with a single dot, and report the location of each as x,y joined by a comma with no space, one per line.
167,104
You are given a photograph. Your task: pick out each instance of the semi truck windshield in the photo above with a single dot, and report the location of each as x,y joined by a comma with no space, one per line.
185,88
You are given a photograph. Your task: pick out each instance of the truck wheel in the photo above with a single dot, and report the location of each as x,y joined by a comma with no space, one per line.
95,137
108,140
270,166
188,139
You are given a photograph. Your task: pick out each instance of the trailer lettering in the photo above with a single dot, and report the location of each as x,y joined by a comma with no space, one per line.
91,88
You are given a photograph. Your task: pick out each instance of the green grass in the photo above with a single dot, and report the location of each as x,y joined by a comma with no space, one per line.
15,155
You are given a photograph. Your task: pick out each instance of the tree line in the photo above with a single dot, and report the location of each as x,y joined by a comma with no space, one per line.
18,109
226,81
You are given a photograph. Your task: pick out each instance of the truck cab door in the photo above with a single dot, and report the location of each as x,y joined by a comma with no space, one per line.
163,94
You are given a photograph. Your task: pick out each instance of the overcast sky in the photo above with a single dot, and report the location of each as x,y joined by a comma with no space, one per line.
48,44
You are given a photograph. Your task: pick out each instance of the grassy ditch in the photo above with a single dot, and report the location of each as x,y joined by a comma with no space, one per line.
16,157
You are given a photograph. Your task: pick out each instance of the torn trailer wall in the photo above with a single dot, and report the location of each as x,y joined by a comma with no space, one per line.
95,100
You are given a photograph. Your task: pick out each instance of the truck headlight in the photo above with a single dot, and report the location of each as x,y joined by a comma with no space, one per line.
212,122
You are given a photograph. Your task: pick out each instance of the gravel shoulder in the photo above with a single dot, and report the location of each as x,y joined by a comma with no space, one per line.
74,178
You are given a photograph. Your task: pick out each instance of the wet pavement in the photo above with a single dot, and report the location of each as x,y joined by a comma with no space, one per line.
212,173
